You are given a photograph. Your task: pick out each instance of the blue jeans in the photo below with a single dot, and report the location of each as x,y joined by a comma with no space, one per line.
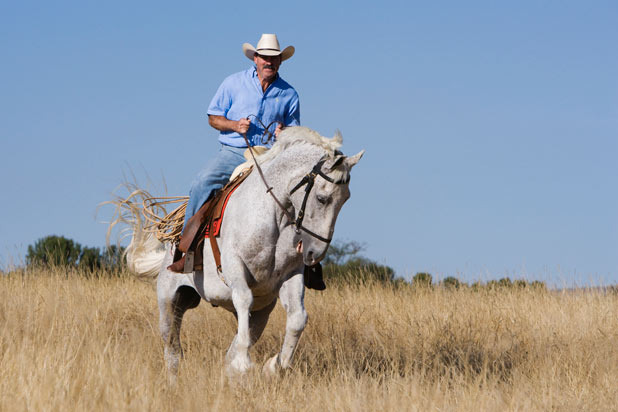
213,177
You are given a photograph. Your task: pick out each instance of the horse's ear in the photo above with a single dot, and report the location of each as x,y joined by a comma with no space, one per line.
339,158
352,160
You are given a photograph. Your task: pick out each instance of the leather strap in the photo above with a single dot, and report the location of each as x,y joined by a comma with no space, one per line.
216,252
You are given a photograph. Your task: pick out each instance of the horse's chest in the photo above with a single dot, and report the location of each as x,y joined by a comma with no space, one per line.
267,252
270,265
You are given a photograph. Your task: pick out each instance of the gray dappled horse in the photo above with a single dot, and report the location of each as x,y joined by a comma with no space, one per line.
263,253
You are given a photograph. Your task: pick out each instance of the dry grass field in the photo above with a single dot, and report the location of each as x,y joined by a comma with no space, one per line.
68,342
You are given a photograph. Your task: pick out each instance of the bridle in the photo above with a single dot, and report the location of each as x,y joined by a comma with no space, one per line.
309,181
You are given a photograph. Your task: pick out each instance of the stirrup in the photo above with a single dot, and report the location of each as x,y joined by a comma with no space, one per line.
182,263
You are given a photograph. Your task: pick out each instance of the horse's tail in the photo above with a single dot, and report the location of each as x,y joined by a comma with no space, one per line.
145,255
145,252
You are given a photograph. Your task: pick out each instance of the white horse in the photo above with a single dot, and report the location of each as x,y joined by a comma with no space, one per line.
263,253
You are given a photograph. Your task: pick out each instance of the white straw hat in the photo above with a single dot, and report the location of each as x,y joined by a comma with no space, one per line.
267,46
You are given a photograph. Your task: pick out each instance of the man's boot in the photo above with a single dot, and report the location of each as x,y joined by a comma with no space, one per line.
313,277
188,241
183,262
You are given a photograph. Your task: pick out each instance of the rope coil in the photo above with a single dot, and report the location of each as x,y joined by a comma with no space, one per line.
169,227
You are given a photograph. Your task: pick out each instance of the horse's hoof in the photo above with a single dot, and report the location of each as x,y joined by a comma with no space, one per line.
239,365
271,367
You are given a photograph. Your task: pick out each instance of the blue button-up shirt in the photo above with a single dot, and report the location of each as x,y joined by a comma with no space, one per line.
240,96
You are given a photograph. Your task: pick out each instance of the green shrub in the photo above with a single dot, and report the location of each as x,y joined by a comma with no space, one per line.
343,263
422,279
52,251
451,282
359,269
520,284
505,282
537,284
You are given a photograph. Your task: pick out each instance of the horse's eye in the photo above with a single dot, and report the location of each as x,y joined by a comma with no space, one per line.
322,199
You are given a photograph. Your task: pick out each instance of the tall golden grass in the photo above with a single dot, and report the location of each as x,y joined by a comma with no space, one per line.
70,342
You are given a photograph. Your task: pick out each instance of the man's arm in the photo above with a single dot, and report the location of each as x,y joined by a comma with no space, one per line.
292,118
222,124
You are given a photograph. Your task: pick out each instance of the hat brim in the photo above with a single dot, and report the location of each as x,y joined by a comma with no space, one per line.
285,54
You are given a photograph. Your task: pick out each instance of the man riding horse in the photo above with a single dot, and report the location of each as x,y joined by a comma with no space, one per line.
247,104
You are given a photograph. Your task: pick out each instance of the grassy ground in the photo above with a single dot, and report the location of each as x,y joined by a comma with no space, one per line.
68,342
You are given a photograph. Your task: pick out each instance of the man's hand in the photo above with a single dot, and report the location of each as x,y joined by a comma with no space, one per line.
225,125
242,126
278,129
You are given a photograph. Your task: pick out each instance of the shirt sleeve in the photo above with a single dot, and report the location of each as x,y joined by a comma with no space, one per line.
292,117
221,101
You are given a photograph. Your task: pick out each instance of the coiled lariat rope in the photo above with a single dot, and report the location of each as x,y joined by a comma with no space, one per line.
169,227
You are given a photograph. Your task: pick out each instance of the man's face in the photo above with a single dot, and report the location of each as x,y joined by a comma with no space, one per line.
267,66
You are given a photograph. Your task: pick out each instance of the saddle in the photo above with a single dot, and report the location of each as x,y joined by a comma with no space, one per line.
205,223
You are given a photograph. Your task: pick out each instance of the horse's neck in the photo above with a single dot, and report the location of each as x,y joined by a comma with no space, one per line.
288,167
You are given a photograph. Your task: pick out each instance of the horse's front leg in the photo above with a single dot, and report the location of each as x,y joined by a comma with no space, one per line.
292,295
238,354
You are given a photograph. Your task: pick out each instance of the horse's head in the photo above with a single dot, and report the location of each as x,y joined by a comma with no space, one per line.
318,207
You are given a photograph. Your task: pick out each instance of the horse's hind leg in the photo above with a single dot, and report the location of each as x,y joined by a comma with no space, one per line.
292,295
171,310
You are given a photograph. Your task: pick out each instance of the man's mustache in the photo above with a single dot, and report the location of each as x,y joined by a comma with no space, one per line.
269,66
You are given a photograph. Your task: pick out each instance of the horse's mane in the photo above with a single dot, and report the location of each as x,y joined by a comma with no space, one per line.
299,134
303,135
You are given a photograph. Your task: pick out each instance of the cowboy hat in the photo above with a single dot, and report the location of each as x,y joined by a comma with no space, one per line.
268,46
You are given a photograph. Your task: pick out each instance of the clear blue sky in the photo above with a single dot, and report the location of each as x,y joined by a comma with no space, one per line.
491,128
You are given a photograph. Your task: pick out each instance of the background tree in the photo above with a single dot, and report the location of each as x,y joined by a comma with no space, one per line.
537,284
60,251
90,259
422,279
339,252
54,251
520,283
114,257
505,282
451,282
344,263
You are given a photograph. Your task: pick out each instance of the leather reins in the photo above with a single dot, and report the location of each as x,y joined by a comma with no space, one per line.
267,136
309,180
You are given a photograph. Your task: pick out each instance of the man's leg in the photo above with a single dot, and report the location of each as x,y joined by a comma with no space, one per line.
213,177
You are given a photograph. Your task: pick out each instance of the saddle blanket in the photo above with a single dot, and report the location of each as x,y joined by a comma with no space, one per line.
217,217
